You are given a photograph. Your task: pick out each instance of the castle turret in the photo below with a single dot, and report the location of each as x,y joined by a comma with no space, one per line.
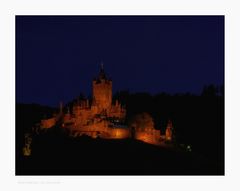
169,130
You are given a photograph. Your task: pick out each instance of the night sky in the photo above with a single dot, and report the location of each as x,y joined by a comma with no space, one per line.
57,57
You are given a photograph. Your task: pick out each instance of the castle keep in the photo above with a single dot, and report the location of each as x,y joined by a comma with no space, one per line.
100,117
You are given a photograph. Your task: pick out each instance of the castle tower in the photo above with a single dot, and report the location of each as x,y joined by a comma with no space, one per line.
102,91
169,130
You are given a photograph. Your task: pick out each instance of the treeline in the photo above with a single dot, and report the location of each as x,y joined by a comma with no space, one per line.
197,119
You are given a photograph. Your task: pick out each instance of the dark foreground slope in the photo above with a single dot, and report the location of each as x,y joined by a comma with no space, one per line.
61,155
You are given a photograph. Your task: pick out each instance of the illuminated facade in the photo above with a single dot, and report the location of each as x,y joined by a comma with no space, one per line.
100,117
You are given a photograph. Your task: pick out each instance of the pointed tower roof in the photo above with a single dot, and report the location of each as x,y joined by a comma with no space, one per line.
102,74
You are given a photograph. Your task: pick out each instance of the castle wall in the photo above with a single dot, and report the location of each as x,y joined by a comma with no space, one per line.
152,137
95,126
117,111
118,133
67,118
94,109
48,123
82,117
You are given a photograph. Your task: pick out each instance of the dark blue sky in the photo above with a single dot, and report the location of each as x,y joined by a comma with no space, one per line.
57,57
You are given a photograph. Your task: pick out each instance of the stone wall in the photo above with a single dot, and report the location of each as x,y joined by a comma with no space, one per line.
118,133
152,137
48,123
117,111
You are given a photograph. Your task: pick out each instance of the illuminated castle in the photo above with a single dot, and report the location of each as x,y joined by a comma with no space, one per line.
100,117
